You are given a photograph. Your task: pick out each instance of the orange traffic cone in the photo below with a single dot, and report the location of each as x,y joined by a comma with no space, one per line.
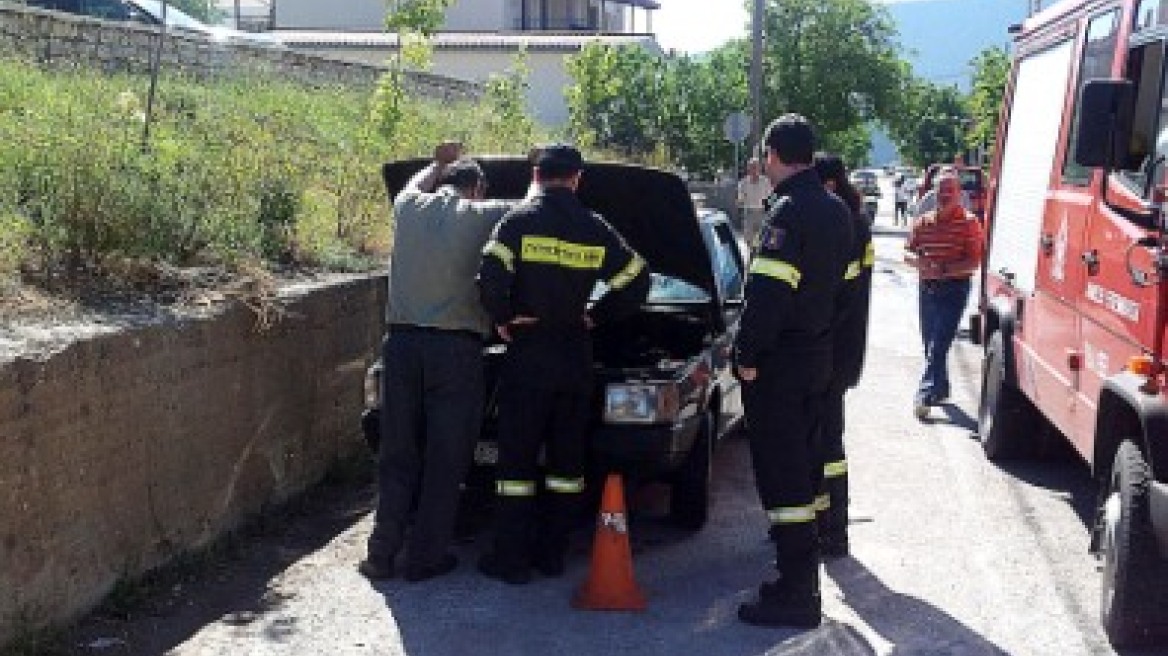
610,584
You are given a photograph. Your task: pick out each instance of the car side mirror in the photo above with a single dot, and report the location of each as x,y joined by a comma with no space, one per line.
1105,123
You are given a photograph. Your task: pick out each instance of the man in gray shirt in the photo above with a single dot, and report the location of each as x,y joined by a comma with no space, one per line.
432,386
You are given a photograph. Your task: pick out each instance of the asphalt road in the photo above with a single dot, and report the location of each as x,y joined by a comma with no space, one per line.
951,555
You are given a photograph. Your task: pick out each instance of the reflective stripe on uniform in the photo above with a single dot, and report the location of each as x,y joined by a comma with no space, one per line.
564,485
515,488
792,514
869,255
853,270
835,469
502,252
628,274
822,502
549,250
776,269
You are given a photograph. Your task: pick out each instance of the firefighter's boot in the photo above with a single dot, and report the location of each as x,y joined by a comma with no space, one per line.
793,600
785,602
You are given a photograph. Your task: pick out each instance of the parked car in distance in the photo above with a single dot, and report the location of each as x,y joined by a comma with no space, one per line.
665,393
150,12
866,182
972,183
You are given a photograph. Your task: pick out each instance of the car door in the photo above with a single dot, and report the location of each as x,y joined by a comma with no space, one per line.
729,266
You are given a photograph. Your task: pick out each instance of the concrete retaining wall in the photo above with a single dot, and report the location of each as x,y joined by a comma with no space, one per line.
122,451
57,39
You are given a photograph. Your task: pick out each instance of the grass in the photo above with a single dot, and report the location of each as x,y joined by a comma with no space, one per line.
234,171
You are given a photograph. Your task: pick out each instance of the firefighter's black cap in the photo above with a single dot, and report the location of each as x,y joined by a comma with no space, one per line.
558,160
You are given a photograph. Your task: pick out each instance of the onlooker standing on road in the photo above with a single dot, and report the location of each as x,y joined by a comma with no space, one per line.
928,202
783,355
753,189
902,197
433,382
945,247
850,339
536,277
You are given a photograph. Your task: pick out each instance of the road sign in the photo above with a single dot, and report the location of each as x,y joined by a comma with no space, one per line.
737,127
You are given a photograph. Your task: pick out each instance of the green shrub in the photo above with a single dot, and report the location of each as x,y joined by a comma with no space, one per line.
234,171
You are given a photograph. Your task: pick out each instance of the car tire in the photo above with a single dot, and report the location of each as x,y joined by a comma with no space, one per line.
1008,425
1134,575
689,496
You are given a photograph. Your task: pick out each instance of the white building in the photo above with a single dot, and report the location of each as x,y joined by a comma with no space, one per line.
480,37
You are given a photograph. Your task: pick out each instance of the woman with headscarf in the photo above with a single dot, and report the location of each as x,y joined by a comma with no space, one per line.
850,337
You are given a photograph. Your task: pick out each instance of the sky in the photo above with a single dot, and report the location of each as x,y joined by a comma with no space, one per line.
695,26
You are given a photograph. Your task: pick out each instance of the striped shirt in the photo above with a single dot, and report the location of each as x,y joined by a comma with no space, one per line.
942,240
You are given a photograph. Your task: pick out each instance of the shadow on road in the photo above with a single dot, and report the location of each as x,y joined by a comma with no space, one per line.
958,417
230,583
912,626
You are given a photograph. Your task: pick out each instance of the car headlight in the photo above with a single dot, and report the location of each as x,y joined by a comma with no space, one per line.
373,386
640,403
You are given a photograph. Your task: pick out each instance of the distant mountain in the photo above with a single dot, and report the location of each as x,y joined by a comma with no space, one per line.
940,37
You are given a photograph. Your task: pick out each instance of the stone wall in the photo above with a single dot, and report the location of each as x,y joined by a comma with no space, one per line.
56,39
121,451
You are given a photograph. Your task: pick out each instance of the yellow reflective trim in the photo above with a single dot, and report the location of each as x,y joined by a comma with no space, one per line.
776,269
835,469
564,485
628,274
501,251
515,488
549,250
822,502
853,270
792,515
869,255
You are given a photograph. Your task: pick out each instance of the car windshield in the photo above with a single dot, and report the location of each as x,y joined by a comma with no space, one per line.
663,290
174,17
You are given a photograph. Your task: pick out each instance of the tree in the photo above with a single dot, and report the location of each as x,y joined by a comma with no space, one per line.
414,21
616,99
991,70
837,62
932,124
699,94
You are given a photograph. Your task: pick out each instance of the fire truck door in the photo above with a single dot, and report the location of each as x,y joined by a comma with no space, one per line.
1118,305
1054,325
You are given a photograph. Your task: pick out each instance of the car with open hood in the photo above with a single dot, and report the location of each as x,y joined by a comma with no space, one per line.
665,393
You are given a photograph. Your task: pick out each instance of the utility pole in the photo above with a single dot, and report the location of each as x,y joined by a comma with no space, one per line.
756,74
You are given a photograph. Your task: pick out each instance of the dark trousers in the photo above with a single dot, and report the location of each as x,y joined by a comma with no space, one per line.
941,305
784,408
544,403
832,502
432,392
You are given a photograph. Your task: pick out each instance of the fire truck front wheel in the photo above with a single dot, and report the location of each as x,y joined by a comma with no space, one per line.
1007,423
1133,574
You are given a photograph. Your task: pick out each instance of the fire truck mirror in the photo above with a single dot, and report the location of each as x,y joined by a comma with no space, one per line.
1105,123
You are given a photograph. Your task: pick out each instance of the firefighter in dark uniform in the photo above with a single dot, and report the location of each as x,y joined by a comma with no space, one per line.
537,274
850,336
784,358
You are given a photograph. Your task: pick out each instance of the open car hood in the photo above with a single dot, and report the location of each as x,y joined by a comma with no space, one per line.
651,209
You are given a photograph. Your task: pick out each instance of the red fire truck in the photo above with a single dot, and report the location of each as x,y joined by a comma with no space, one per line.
1075,288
